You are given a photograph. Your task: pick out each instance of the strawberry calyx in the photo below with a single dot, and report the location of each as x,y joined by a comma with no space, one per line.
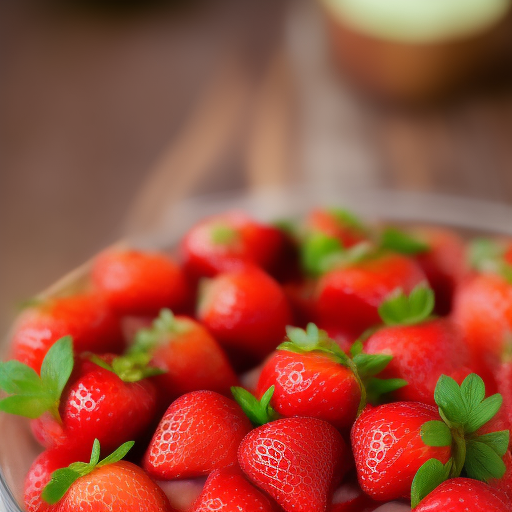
464,410
400,309
321,253
399,241
370,365
223,234
62,479
130,367
31,395
258,411
348,219
490,256
162,329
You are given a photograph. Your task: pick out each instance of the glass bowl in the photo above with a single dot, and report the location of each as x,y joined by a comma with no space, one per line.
17,447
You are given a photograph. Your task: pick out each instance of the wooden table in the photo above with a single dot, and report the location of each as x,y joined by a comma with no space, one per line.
107,117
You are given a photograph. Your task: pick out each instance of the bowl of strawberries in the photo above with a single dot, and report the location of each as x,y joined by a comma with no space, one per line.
329,362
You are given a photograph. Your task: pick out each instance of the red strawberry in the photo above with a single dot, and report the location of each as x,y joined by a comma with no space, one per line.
95,403
389,450
298,461
191,358
110,485
40,474
423,349
311,376
246,311
228,490
199,432
405,444
228,242
483,310
463,495
139,283
440,254
337,223
87,318
348,297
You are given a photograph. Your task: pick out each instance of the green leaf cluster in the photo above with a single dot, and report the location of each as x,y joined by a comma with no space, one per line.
319,253
160,332
32,395
258,411
400,309
398,241
130,367
487,255
62,479
464,410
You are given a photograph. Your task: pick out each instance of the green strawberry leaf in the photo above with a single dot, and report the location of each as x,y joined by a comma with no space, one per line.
258,411
375,388
348,219
32,395
482,462
319,253
483,412
57,366
16,377
398,241
356,348
400,309
436,433
131,367
63,479
430,475
498,441
487,255
448,397
369,365
116,456
28,406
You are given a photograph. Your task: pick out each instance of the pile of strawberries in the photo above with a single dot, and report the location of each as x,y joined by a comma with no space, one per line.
313,366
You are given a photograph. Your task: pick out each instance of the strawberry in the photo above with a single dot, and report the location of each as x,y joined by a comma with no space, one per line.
389,450
348,297
40,474
504,484
336,223
422,450
87,318
228,490
422,348
440,254
483,310
199,432
229,242
246,311
110,485
313,377
298,461
139,282
191,358
111,402
462,495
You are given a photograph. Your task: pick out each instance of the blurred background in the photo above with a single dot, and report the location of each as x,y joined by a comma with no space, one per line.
112,111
